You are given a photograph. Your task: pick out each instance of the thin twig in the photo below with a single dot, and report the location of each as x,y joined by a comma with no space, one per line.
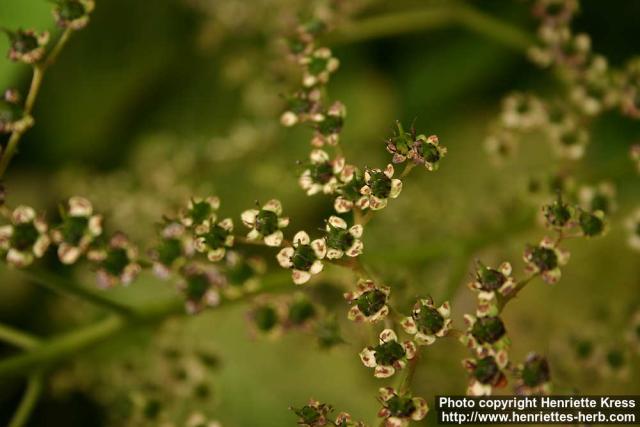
29,400
17,337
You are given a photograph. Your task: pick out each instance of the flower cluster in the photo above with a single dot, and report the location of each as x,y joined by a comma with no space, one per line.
427,322
12,116
369,302
316,414
27,45
420,149
389,356
25,238
73,14
399,409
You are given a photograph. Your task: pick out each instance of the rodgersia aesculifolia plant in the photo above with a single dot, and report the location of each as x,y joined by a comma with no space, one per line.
206,251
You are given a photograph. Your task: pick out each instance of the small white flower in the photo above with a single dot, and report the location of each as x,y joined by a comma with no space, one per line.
304,258
427,322
266,223
25,238
321,173
342,240
380,186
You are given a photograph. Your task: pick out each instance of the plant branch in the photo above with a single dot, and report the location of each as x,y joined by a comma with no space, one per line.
434,17
34,89
68,345
29,400
61,286
17,338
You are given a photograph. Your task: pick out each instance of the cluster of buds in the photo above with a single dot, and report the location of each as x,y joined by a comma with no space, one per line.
389,356
27,46
12,116
399,409
420,149
316,414
271,316
588,217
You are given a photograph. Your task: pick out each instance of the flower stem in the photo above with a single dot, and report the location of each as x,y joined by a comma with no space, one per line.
34,90
434,17
68,345
29,400
17,338
61,286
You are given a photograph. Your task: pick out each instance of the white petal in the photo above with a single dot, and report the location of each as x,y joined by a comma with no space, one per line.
334,253
249,217
396,188
388,171
388,335
274,206
274,239
284,257
356,231
337,222
319,156
368,357
299,277
23,214
316,267
319,246
79,206
355,249
301,238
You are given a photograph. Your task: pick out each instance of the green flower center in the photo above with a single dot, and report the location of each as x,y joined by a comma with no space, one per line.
24,236
169,250
401,407
330,125
486,371
200,211
116,261
569,138
371,302
429,320
239,274
430,152
317,65
322,172
544,258
215,237
590,224
197,286
74,228
600,202
584,349
536,372
265,318
488,330
558,214
301,311
339,238
388,353
299,105
490,279
308,414
303,257
266,222
380,184
23,43
615,359
351,190
71,10
554,9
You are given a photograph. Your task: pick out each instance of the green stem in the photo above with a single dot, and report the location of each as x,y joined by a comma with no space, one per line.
436,17
68,345
29,400
34,90
17,338
65,287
